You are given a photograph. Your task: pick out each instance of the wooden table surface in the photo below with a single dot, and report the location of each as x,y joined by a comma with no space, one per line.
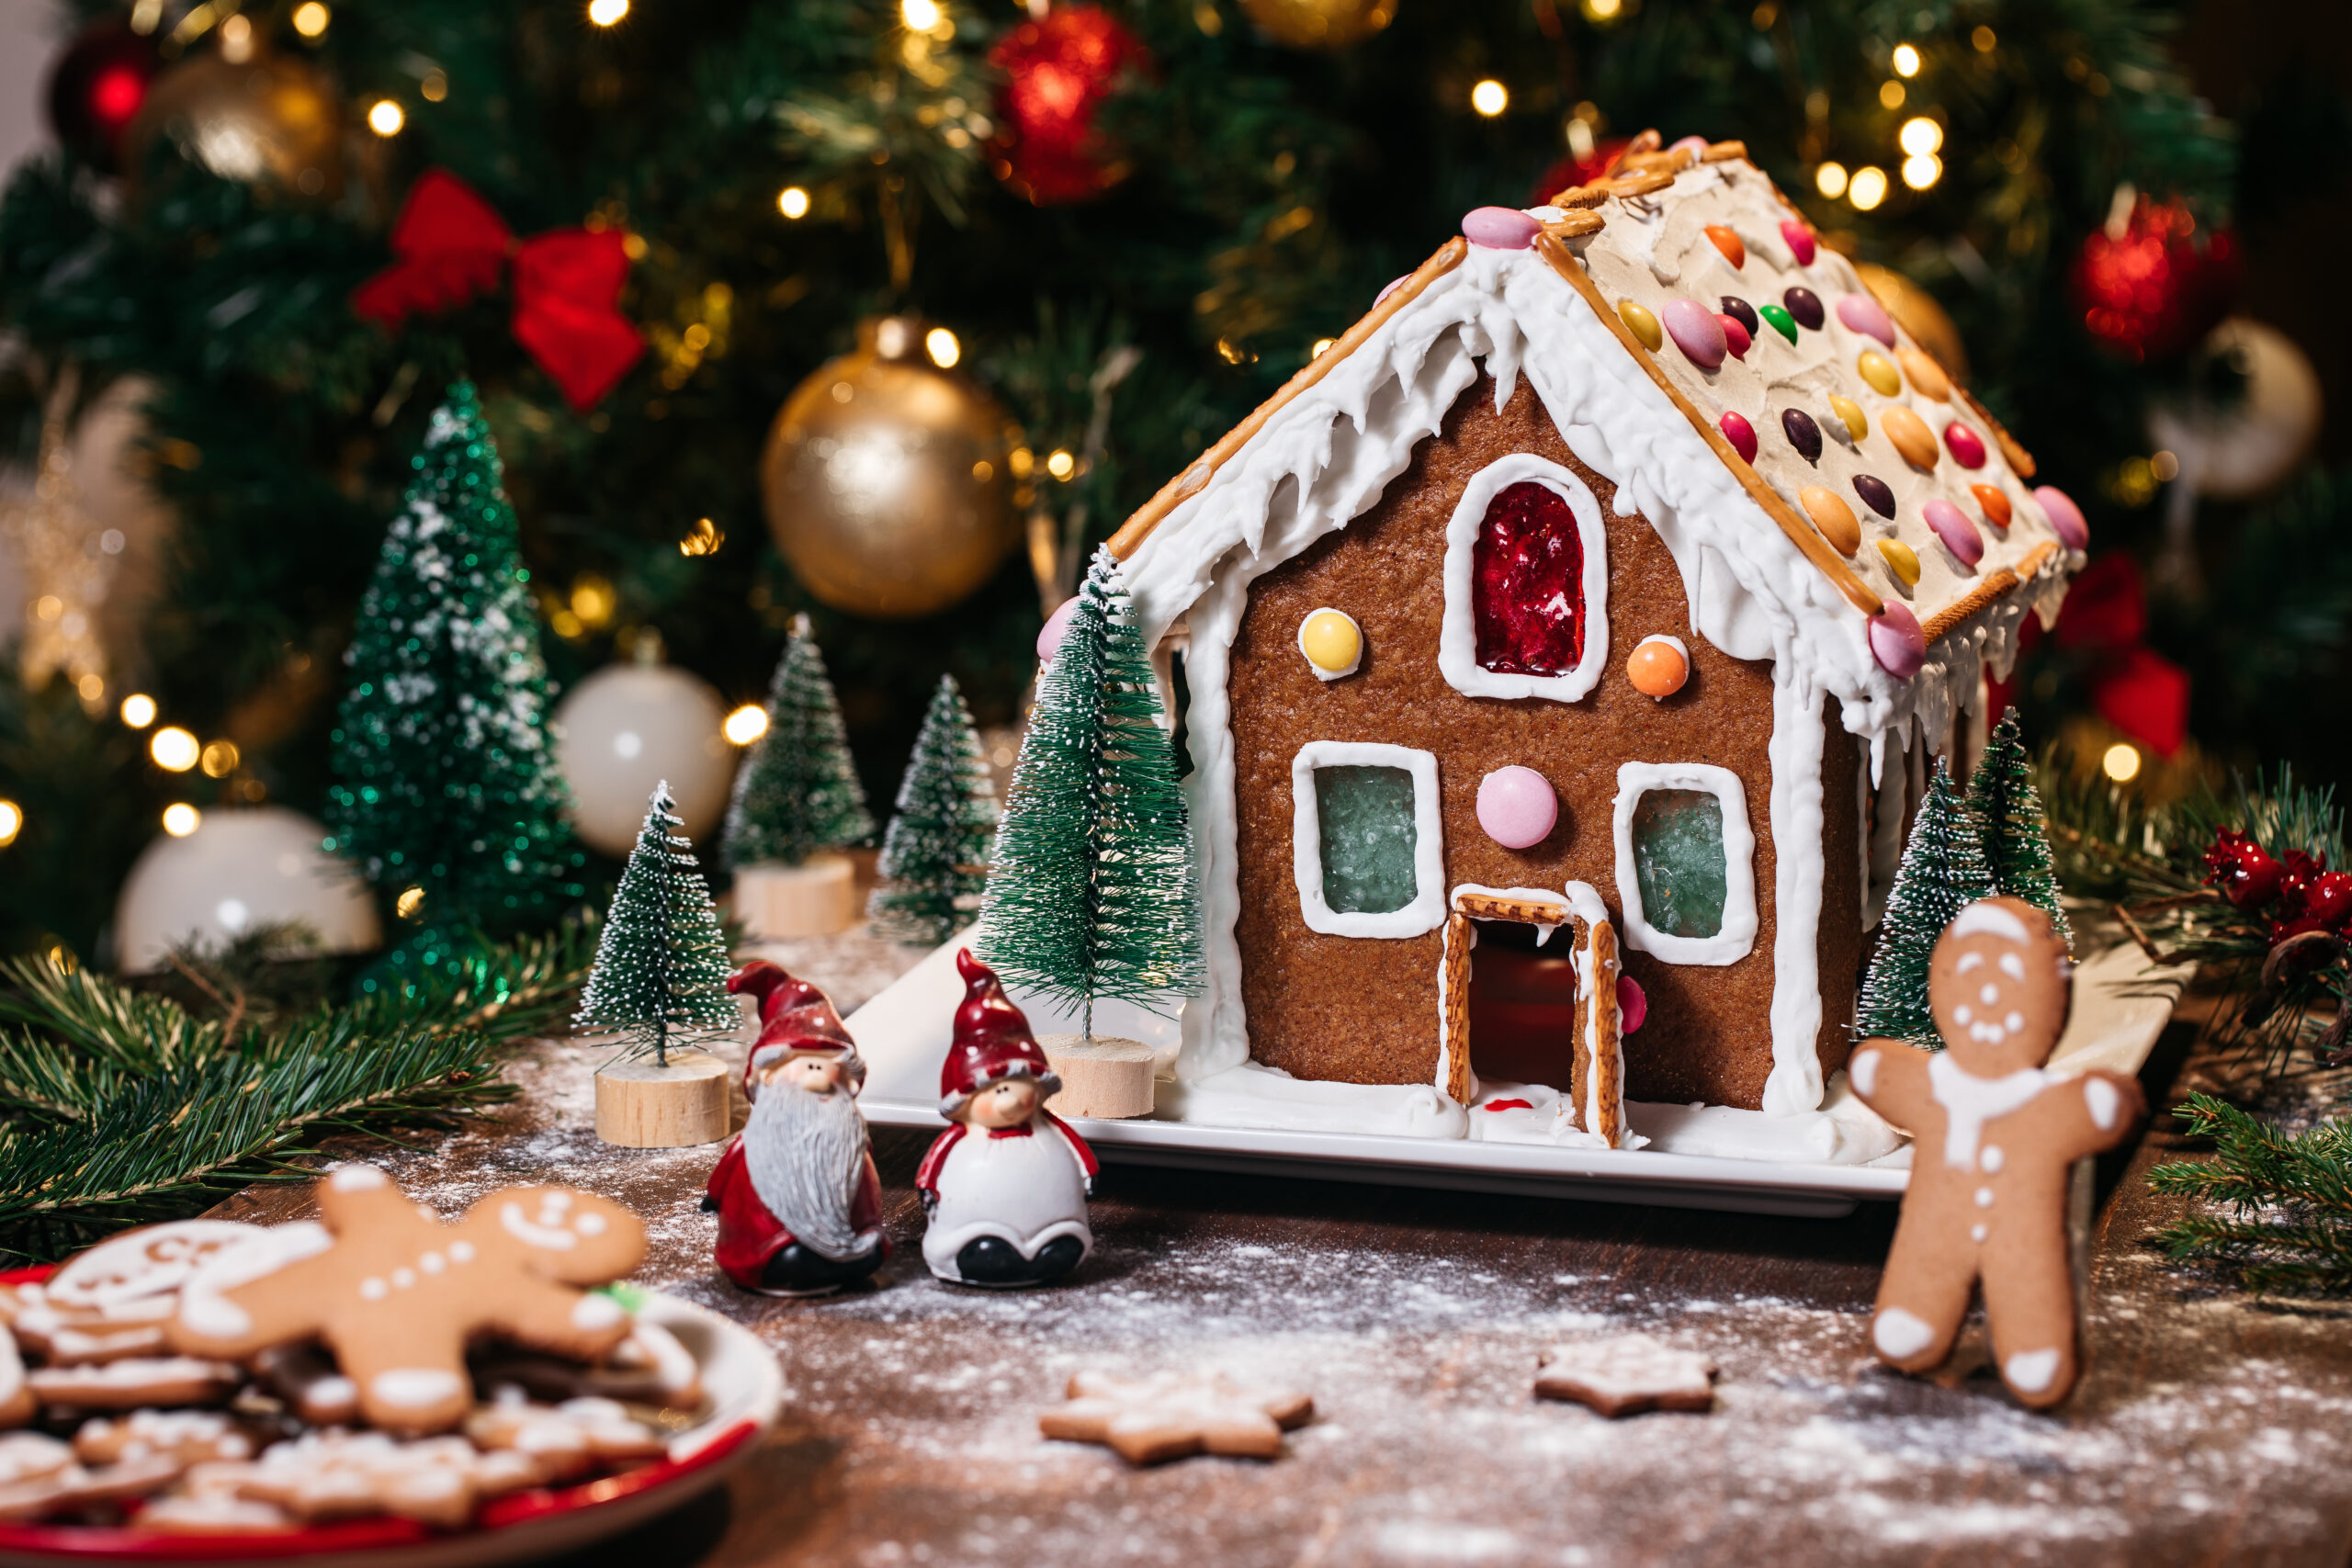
2210,1428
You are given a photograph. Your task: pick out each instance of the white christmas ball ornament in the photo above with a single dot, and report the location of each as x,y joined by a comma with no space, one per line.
625,728
2237,452
237,871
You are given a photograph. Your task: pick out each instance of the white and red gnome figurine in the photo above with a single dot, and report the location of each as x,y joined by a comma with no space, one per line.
1005,1187
798,1201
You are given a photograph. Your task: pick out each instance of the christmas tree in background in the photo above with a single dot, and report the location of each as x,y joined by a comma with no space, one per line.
2007,809
1943,872
797,791
444,782
934,858
661,963
1092,893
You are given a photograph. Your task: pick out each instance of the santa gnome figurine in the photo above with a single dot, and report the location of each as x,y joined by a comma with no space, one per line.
798,1202
1005,1186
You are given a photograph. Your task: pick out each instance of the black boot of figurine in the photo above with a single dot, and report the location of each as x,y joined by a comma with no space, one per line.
989,1260
798,1271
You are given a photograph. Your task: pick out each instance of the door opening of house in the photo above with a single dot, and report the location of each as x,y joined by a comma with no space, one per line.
1522,1006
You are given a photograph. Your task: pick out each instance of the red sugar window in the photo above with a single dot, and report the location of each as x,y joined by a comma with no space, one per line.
1527,571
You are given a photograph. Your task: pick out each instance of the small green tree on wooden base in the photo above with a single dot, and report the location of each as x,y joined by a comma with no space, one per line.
662,964
1092,894
445,779
1943,872
797,791
2017,836
934,858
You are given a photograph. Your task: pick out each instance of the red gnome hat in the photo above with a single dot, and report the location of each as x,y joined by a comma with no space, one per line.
797,1018
992,1042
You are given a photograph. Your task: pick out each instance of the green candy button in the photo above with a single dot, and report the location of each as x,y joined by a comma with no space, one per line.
1782,322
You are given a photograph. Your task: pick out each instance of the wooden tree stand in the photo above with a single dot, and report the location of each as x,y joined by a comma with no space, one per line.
1104,1076
817,897
640,1105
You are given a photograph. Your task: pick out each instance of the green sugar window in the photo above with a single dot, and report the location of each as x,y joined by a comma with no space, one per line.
1369,839
1678,861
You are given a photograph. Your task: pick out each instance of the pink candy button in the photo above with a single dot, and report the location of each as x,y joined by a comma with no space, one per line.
1896,641
1866,316
1695,332
1800,238
1517,808
2064,516
1500,228
1952,527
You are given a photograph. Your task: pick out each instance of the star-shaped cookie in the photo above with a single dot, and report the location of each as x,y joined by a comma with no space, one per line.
1172,1414
1629,1373
395,1294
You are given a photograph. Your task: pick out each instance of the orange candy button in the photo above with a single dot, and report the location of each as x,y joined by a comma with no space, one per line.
1658,667
1728,242
1994,502
1926,375
1833,517
1911,436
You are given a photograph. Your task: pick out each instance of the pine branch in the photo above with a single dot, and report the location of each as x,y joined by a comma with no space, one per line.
2288,1227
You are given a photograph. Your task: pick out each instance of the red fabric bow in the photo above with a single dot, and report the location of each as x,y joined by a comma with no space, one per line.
567,283
2135,688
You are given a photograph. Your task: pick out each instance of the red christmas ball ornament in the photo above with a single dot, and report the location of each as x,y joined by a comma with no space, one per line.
2152,290
1060,68
97,87
2242,869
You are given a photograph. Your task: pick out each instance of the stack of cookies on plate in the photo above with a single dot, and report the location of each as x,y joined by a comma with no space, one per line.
206,1376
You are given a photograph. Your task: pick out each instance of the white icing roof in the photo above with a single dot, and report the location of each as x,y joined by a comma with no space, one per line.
1326,449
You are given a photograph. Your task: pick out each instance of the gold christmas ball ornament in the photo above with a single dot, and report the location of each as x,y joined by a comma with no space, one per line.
263,120
1319,24
884,479
1916,312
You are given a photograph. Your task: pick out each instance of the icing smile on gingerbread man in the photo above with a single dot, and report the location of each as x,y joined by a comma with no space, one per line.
1996,1136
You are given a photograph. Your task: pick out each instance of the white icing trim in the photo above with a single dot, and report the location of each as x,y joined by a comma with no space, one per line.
1671,641
1970,1101
1457,644
1799,821
1426,912
1317,670
1737,936
1988,918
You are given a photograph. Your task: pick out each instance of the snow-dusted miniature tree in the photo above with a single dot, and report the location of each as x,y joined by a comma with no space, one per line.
797,791
661,963
2017,835
934,857
1092,892
1943,872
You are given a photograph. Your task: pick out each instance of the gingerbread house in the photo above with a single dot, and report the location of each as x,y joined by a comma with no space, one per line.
1651,431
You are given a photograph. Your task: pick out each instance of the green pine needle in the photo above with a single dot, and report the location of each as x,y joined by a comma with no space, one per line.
2287,1197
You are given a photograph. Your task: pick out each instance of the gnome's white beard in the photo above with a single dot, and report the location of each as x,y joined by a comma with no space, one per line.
805,1153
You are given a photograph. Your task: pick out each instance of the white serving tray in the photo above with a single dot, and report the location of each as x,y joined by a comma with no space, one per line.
2122,1005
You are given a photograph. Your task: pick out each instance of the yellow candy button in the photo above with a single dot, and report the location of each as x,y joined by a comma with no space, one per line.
1331,641
1901,559
1833,517
1911,436
1880,372
1926,374
1849,412
1644,325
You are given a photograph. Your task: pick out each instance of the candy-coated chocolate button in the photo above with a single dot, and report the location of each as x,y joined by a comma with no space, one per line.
1958,534
1849,414
1803,434
1833,517
1500,228
1633,1006
1896,641
1332,642
1910,434
1866,316
1740,310
1879,371
1782,322
1876,494
1696,332
1658,667
1805,306
1735,337
1740,433
1967,447
1902,560
1728,242
1518,807
1996,503
2064,516
1926,374
1800,238
1642,324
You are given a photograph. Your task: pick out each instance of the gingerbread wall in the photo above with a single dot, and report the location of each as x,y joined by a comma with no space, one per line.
1365,1011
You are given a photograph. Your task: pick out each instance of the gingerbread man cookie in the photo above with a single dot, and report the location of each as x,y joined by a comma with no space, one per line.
397,1293
1995,1137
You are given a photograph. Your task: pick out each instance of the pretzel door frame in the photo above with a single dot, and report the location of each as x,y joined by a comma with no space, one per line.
1594,1060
